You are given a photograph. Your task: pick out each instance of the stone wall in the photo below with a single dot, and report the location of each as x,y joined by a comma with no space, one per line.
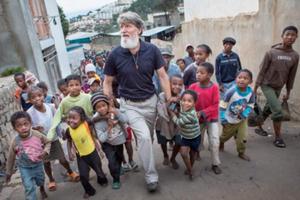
255,34
8,106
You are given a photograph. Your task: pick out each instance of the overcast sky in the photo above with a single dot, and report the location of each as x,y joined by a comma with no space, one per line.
71,7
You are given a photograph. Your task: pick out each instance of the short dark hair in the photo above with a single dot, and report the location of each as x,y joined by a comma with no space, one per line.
176,75
19,74
290,28
73,77
192,93
208,67
180,59
205,47
61,82
32,89
42,85
18,115
246,71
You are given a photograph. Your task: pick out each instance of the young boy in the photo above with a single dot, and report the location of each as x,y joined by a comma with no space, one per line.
111,133
208,108
235,108
166,130
95,85
188,124
227,65
90,71
44,87
278,68
42,116
21,92
75,98
30,147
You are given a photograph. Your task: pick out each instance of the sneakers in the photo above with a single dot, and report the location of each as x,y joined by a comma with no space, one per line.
279,143
133,165
126,167
116,185
152,187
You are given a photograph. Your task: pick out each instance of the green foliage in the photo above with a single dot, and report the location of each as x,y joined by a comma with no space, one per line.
64,21
11,71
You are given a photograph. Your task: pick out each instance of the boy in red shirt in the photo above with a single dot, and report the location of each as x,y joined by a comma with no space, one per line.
207,107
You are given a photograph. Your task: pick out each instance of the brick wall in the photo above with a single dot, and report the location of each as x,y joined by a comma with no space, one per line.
8,106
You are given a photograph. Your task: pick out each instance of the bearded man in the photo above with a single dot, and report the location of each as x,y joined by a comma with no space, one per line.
133,63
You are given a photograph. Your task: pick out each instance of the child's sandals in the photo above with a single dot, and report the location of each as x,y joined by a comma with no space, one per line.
73,176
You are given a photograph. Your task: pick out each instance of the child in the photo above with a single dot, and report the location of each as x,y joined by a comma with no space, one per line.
81,138
181,64
207,107
188,124
42,116
166,130
278,68
227,65
235,108
85,87
111,133
202,53
21,92
63,87
90,71
30,147
75,98
44,87
95,85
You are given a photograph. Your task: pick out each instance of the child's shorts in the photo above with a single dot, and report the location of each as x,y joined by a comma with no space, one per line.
192,143
56,152
163,140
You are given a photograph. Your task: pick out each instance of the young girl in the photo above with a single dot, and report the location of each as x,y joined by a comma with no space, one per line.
188,124
201,53
235,108
21,92
111,133
81,139
42,116
166,130
30,147
207,107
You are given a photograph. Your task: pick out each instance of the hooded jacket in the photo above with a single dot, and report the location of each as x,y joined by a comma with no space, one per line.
279,67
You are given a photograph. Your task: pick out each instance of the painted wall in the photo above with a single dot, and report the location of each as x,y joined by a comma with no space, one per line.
255,34
217,8
58,36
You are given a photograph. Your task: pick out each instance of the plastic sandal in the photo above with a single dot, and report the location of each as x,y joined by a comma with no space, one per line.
51,186
279,143
74,176
261,132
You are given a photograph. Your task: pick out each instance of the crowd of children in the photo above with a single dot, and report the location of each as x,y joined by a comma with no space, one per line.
90,123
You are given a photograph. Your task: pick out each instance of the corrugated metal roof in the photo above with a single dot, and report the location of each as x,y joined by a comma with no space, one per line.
81,35
150,32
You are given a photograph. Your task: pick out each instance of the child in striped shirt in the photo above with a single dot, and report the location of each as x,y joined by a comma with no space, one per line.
188,124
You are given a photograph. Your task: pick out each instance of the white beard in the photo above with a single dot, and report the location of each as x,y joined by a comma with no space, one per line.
129,42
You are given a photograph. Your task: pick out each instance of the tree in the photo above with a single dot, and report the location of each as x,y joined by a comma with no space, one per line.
64,21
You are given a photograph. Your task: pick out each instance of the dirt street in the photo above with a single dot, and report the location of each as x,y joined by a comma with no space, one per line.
272,174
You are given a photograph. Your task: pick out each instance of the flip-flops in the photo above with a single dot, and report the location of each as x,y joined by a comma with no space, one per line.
261,132
73,176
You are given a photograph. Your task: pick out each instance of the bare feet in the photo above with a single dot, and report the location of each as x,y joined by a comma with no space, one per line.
244,156
86,196
221,147
166,161
198,157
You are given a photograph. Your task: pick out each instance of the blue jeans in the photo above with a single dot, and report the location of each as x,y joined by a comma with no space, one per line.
32,176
